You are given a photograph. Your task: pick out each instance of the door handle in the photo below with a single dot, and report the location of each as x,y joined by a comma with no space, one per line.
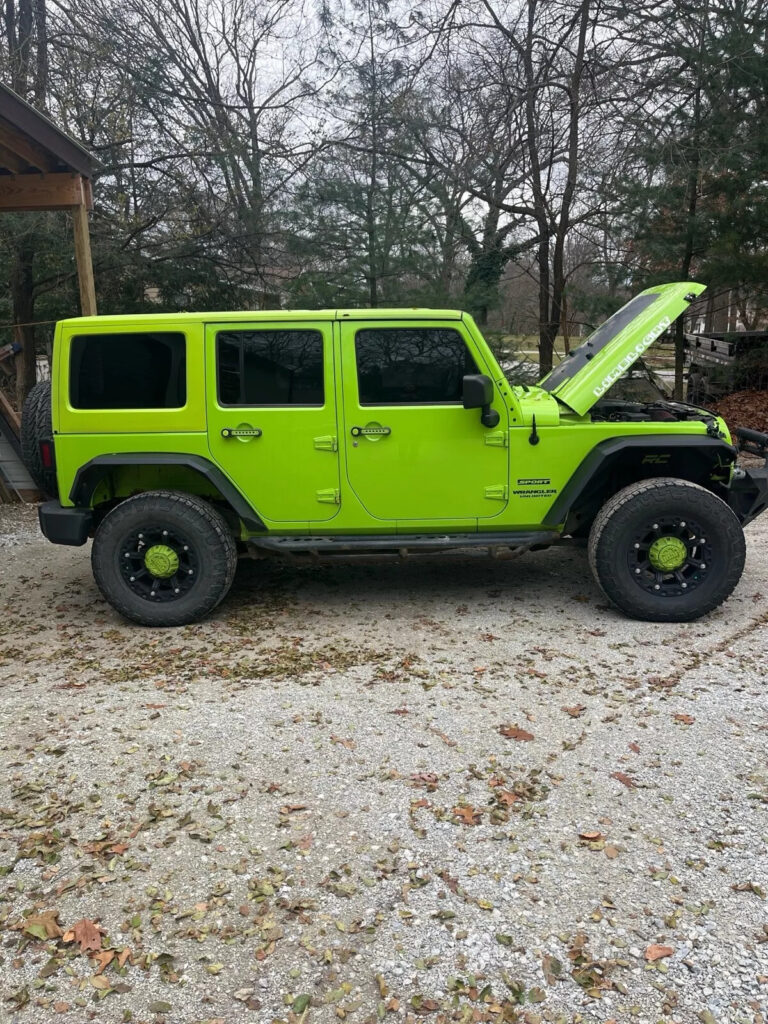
240,432
370,431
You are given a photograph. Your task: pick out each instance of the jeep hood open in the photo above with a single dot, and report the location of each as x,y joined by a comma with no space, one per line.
588,371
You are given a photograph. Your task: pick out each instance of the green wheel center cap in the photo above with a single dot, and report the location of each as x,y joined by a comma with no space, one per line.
667,554
161,561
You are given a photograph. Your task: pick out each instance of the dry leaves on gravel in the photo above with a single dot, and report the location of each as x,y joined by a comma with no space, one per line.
514,732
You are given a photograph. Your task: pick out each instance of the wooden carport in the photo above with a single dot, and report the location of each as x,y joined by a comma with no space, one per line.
41,168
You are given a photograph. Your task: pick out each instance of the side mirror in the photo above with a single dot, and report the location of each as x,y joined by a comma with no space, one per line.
477,393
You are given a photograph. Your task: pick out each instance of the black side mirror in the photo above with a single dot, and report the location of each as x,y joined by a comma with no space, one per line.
477,393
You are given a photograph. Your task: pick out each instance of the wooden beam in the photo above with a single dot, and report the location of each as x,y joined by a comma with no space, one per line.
84,262
10,414
11,161
30,151
41,191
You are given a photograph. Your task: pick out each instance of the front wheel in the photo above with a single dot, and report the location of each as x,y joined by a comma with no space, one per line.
164,559
666,550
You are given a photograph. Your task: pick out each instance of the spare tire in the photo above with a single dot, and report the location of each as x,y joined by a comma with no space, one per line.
35,427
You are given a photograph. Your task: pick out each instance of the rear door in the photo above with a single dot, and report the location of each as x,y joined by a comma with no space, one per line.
413,452
272,416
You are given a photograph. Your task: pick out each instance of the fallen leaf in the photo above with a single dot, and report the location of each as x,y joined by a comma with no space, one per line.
591,836
624,779
634,748
118,847
104,959
468,815
123,956
575,711
86,933
426,779
514,732
685,719
300,1003
654,952
43,926
159,1006
506,797
611,852
349,744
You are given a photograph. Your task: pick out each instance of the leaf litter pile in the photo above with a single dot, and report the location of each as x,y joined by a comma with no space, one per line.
382,791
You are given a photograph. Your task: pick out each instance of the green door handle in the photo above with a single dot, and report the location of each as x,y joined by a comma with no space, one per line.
240,432
370,431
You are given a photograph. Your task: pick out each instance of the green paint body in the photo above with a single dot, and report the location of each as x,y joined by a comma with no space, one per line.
439,470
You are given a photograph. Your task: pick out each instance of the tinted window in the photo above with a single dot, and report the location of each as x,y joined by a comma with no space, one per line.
411,365
270,367
146,370
597,340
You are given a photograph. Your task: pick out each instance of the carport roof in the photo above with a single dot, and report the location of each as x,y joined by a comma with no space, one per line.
31,143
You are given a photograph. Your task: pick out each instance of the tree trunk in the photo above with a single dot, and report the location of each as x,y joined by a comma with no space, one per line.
23,312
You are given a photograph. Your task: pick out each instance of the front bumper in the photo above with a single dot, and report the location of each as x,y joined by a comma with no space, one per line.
748,493
62,525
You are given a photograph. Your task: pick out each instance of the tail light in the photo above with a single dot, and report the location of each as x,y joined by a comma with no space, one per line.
47,454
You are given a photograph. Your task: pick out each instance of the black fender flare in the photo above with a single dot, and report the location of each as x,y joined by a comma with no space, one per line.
93,472
644,457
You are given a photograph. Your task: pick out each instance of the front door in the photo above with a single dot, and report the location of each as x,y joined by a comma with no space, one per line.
272,416
413,452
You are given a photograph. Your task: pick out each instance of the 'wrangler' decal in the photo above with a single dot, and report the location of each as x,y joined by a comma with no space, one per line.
626,361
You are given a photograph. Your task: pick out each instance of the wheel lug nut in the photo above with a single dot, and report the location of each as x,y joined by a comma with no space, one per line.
165,533
133,579
703,565
177,591
684,585
656,586
682,523
655,526
637,546
189,572
186,547
637,571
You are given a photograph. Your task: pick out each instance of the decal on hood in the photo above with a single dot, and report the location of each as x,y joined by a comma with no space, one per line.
590,370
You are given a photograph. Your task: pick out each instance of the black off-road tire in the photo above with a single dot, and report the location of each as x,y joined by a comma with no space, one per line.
621,538
35,426
204,548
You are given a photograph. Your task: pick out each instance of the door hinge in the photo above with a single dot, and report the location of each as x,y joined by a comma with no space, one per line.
498,439
328,443
499,492
329,497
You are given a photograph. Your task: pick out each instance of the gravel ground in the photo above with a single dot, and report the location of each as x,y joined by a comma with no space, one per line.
446,789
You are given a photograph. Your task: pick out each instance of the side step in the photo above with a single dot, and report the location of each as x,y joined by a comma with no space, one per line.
406,542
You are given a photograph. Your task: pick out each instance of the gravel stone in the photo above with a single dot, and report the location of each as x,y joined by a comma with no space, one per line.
308,795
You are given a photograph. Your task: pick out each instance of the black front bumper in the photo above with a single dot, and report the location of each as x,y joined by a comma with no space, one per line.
748,493
62,525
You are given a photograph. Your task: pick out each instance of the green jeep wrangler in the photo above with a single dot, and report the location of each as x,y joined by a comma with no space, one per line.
177,441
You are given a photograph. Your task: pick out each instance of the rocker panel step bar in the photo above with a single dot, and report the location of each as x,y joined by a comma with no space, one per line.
399,542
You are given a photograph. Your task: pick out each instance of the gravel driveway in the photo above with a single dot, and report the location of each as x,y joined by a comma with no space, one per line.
434,789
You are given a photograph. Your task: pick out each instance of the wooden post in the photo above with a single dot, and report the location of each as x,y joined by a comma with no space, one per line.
83,256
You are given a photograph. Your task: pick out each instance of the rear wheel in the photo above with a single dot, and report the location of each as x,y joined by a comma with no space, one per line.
164,559
666,550
35,427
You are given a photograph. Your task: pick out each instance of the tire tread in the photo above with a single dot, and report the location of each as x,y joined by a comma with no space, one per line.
221,548
644,492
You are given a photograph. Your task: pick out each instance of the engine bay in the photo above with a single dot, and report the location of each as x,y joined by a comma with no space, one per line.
661,410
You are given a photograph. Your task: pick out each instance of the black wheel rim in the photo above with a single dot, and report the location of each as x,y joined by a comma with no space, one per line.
670,556
158,564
